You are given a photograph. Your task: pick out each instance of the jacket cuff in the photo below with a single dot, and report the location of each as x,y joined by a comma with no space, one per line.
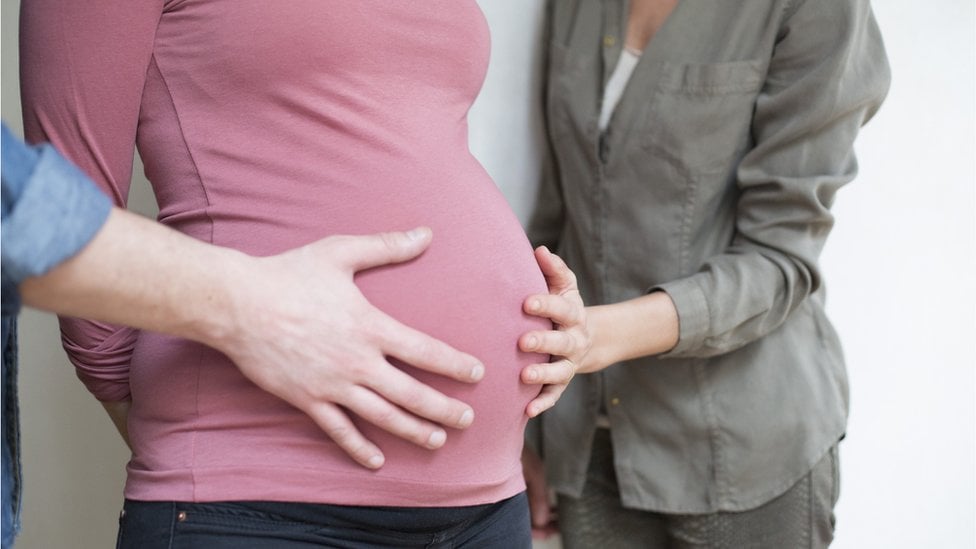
694,319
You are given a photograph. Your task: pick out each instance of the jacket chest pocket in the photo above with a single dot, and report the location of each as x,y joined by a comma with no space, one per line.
701,113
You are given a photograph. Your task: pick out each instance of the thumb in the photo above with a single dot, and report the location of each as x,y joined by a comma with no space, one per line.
368,251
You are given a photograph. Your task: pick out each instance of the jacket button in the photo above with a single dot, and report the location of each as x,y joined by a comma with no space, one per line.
609,41
181,516
614,401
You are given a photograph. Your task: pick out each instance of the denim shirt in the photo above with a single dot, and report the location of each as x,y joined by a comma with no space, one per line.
50,210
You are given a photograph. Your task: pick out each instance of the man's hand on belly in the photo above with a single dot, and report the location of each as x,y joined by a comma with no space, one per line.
305,333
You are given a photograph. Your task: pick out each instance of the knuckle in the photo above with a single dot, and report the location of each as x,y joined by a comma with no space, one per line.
575,314
319,392
385,418
415,432
561,344
546,401
562,373
580,343
389,240
411,395
418,401
426,351
343,435
547,344
358,370
572,342
371,321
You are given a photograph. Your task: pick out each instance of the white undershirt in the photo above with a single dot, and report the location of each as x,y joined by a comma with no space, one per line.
611,96
615,86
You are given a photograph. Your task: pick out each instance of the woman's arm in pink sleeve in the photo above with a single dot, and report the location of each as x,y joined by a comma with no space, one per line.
83,67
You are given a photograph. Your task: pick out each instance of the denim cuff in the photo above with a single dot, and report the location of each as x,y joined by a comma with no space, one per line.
59,211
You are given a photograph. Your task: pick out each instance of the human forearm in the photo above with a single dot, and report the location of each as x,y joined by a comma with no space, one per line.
119,277
295,324
826,76
590,339
643,326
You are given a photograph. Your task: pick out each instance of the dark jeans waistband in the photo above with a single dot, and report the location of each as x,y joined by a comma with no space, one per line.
263,524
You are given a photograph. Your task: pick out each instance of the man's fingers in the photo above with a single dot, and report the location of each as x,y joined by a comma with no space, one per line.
391,413
422,351
385,415
560,309
374,250
546,399
559,372
338,427
402,390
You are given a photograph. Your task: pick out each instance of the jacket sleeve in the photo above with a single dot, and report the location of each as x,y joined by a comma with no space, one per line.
828,75
83,67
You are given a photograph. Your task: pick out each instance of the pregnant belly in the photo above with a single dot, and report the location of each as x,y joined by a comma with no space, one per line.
467,290
194,412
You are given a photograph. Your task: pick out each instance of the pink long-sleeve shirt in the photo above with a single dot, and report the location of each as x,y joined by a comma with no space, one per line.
264,126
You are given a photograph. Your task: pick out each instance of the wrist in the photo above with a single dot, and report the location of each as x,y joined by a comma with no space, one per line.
599,319
227,304
644,326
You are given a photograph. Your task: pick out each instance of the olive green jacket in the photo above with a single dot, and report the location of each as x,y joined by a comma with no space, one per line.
713,183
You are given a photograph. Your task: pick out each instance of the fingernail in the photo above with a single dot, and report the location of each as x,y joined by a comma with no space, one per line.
535,305
477,372
467,418
532,342
436,439
376,461
531,374
417,234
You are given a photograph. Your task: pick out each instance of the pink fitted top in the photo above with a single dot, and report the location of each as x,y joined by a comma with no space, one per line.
264,126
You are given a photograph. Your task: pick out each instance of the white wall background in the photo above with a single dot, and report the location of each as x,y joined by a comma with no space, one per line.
901,268
901,265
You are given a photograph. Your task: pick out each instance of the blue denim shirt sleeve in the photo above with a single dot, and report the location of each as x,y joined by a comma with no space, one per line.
50,210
